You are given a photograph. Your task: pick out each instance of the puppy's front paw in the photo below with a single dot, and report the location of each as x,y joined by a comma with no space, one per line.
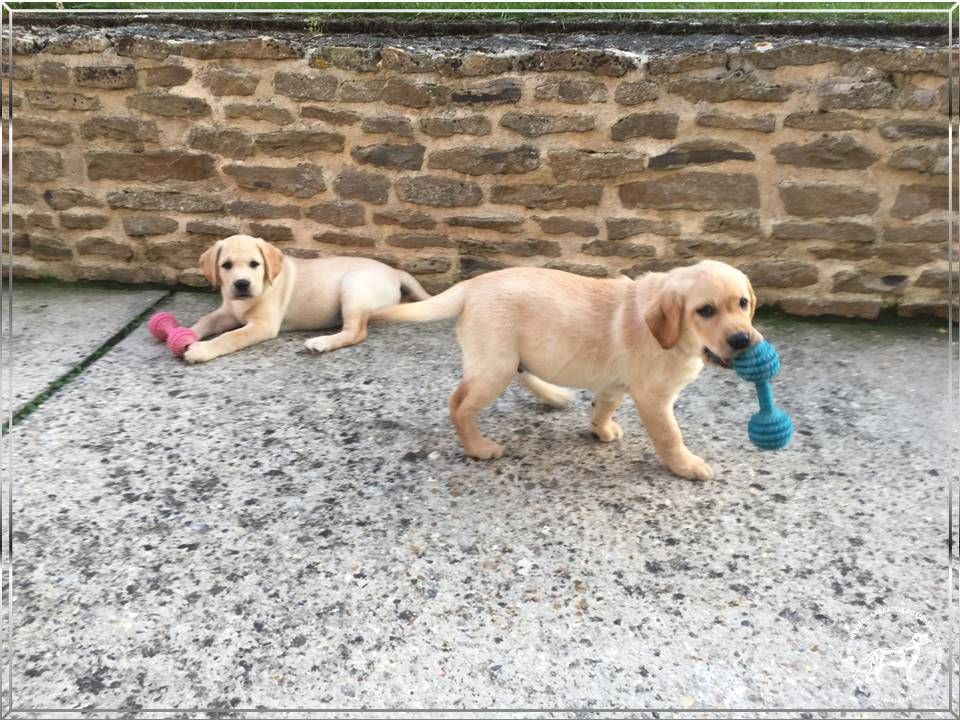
692,467
484,450
607,433
317,344
199,352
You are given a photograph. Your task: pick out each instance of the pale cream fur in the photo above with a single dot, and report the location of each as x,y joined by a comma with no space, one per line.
289,293
612,336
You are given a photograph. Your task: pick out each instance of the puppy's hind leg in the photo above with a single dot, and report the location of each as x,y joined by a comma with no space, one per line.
356,302
478,389
354,331
552,395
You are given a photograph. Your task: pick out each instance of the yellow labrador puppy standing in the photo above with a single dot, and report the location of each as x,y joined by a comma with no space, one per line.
265,291
648,337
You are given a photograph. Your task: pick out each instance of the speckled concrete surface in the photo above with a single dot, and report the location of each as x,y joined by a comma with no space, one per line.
280,529
54,328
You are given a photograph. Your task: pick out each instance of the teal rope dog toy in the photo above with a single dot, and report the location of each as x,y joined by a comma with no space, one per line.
771,428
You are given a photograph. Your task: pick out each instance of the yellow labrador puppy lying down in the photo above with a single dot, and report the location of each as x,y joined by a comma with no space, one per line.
648,337
265,291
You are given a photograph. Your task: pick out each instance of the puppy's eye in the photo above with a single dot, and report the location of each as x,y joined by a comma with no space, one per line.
707,311
227,265
254,264
744,303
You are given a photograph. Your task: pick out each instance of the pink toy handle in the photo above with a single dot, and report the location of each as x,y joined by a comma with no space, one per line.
180,339
163,326
160,325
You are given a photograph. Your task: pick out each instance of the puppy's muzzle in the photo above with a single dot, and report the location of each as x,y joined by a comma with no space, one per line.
241,288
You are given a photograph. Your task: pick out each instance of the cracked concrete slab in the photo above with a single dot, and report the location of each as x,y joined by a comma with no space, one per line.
55,327
281,529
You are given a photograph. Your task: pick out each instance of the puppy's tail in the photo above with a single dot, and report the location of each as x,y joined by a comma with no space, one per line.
447,304
409,283
547,393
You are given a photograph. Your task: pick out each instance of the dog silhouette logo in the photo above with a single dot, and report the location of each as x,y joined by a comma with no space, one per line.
894,653
903,658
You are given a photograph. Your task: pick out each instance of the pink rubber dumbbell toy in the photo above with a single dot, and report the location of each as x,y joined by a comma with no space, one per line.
163,326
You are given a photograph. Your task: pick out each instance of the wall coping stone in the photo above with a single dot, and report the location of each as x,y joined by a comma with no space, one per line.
533,52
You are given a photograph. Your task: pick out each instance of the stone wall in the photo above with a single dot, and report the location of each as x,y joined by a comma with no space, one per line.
818,167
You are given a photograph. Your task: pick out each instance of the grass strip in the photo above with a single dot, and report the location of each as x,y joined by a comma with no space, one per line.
511,12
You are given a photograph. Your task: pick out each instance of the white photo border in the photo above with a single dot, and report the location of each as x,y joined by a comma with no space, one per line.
7,432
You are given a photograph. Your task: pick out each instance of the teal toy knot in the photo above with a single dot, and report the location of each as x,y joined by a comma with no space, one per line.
771,428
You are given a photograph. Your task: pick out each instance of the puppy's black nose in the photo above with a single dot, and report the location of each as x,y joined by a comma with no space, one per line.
241,285
739,340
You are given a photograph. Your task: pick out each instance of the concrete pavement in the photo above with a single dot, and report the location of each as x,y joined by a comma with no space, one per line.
280,529
54,328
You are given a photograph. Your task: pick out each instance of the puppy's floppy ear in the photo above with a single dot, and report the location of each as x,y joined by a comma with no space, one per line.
272,260
664,317
753,299
210,264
